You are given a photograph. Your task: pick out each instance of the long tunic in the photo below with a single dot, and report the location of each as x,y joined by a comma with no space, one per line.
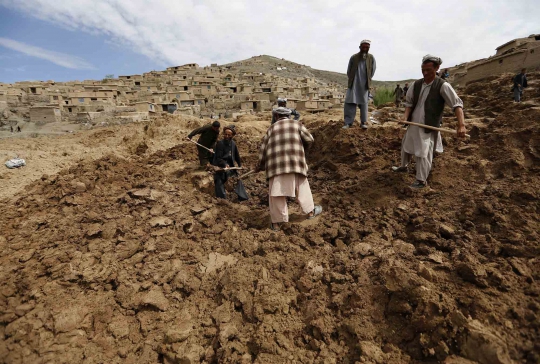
416,140
358,94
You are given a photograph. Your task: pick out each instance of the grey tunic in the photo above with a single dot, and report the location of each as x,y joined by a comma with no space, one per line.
358,94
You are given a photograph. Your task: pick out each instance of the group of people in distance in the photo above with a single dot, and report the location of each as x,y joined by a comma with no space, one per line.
282,153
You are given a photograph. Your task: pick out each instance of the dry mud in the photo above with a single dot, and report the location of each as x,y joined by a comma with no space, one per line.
129,259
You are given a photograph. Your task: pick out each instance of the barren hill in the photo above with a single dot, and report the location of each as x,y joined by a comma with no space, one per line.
284,68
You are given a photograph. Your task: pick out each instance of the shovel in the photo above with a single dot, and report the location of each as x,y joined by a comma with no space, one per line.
431,128
240,189
202,146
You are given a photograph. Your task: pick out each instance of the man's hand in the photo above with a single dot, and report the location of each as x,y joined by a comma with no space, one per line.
461,131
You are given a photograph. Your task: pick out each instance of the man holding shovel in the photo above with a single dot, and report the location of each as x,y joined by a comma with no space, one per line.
209,134
226,156
283,158
424,104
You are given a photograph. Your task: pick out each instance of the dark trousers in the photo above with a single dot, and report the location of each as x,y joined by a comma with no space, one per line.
219,181
204,156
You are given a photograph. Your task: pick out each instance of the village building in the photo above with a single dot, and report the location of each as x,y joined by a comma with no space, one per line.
45,114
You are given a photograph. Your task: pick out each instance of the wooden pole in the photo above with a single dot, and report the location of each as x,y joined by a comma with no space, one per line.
431,128
202,146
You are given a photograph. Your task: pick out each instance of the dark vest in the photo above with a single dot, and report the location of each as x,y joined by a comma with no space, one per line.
434,105
353,68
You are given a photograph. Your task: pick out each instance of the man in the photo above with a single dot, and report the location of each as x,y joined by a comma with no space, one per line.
405,89
283,158
283,103
226,155
424,104
359,73
209,134
445,74
398,95
520,81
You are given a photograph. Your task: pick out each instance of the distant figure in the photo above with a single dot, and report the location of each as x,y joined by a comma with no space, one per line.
18,129
283,103
405,89
398,94
11,127
520,82
445,74
359,72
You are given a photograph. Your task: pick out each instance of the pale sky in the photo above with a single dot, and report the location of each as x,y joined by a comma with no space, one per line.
78,39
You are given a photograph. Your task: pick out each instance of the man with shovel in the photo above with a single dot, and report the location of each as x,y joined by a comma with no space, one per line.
283,158
424,104
209,134
226,156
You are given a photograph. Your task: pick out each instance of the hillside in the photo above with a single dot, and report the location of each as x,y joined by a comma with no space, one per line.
269,65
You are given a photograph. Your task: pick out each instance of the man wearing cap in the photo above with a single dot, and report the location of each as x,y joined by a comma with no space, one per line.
398,95
424,104
209,134
283,158
359,73
226,155
283,103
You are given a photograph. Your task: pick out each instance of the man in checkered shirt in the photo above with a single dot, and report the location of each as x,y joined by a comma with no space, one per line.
283,158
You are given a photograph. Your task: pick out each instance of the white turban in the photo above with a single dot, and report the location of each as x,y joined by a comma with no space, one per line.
429,57
281,100
365,41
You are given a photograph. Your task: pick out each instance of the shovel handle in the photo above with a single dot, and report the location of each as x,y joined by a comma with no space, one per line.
202,146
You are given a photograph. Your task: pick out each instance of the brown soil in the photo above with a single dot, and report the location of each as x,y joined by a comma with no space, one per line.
127,257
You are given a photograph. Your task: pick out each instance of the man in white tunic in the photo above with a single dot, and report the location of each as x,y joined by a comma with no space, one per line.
424,104
359,73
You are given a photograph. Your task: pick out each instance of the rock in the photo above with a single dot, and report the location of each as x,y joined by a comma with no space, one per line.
178,333
227,332
27,255
160,221
402,207
520,268
484,346
446,231
403,248
436,257
196,210
155,298
472,272
371,351
68,320
217,261
93,230
362,249
78,187
426,273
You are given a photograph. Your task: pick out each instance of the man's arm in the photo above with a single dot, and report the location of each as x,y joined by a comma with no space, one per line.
198,131
349,67
452,99
262,154
237,156
374,66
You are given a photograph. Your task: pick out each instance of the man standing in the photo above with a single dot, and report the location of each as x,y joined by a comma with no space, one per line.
283,158
226,155
424,104
520,81
405,89
283,103
398,95
209,134
359,73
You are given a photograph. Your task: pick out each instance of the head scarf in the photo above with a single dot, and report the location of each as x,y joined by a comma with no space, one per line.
282,111
431,58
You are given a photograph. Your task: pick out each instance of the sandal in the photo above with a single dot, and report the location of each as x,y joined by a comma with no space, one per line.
274,227
316,211
400,169
418,184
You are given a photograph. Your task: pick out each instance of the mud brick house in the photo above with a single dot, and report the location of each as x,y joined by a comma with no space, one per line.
45,114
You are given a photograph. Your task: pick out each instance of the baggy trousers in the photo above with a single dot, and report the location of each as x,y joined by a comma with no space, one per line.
279,211
220,178
349,111
423,165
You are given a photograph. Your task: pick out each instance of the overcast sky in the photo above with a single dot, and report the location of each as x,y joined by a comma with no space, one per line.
87,39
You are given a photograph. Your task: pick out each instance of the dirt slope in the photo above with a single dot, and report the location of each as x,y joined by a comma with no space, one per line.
129,259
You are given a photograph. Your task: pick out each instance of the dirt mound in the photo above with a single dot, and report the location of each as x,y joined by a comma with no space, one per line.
131,259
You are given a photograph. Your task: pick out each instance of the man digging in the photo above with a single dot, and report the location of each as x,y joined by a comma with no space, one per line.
226,155
283,158
359,73
209,134
424,104
283,103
